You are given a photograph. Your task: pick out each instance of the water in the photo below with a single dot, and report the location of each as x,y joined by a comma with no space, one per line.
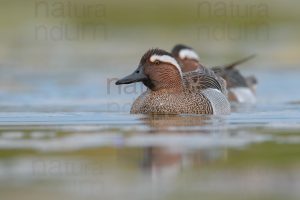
68,135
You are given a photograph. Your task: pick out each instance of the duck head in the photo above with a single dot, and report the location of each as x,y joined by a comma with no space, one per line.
157,70
187,56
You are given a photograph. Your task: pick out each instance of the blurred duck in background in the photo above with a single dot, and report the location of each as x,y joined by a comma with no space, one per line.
239,88
190,65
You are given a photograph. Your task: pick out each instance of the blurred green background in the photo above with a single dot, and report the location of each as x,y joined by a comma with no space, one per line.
42,34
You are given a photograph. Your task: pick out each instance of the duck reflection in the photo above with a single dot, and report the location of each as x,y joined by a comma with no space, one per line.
165,164
165,161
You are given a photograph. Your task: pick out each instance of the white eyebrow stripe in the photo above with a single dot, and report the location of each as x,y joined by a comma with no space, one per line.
188,53
166,59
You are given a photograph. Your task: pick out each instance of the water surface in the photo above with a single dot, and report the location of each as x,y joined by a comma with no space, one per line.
68,135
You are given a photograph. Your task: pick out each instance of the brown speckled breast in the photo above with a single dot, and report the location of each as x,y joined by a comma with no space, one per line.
174,103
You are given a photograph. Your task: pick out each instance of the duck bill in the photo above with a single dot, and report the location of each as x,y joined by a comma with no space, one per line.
132,78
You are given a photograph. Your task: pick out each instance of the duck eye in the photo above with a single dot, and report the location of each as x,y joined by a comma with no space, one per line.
157,62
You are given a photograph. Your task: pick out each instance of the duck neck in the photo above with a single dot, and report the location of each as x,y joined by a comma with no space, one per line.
171,85
176,87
